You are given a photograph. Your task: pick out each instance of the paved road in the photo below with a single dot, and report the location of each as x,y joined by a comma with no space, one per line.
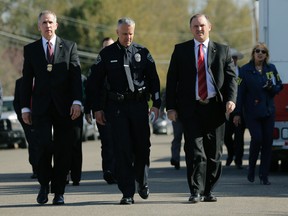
169,190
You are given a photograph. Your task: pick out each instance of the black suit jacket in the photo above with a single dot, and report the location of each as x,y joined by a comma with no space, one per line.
181,77
60,86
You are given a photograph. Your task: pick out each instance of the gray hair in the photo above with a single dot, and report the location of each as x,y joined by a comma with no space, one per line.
46,12
126,21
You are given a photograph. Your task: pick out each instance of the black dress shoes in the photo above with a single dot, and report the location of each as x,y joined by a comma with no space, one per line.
76,183
143,191
176,164
58,199
229,160
42,197
264,181
127,201
251,177
195,198
209,198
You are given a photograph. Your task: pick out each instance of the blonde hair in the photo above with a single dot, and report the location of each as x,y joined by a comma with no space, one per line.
264,46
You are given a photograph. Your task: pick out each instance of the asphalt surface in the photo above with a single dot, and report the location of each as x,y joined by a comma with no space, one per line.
168,189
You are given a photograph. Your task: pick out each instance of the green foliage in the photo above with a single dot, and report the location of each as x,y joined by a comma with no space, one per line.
160,24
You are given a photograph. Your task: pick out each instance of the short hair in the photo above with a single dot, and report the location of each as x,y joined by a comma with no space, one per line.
126,21
46,12
199,15
106,39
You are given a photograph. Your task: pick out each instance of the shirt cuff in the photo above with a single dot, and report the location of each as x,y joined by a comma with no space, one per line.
25,110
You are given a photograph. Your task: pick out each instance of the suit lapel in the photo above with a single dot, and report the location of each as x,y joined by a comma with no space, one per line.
58,49
211,53
40,50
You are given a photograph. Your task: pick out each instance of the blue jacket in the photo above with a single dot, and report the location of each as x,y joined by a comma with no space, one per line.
254,99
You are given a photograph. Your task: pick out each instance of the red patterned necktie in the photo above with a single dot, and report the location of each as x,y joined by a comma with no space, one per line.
202,84
49,52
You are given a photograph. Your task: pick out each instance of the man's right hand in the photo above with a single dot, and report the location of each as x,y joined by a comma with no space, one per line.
100,117
26,116
172,115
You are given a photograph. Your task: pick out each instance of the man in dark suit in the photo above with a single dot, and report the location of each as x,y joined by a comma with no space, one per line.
201,110
52,64
28,129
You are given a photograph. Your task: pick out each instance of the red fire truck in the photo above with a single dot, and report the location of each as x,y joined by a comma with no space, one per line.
273,22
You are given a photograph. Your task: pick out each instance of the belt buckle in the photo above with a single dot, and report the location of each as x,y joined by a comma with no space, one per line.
204,102
120,97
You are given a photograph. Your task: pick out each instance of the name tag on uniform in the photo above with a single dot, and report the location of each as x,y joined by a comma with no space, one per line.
114,61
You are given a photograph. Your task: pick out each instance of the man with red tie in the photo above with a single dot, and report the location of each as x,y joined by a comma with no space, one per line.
53,64
201,88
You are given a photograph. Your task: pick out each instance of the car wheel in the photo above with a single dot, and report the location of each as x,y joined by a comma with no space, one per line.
274,166
10,146
22,144
284,165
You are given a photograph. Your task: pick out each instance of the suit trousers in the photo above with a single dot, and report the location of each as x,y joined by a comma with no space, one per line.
56,146
204,138
177,139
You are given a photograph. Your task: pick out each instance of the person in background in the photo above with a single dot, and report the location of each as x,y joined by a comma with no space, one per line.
53,65
131,76
201,89
77,156
177,136
259,82
235,144
107,153
1,99
28,129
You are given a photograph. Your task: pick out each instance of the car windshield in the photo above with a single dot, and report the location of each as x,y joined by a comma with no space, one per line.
7,106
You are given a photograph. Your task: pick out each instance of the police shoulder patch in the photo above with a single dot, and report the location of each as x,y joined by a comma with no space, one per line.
98,59
149,57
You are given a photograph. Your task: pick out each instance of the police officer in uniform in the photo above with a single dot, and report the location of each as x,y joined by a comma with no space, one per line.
131,76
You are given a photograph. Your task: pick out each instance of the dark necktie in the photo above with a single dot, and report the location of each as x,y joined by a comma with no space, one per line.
202,84
127,71
49,52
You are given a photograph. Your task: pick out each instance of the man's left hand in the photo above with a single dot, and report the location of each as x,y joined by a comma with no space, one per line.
230,106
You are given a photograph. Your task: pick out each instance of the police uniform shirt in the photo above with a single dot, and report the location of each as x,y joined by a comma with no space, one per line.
110,63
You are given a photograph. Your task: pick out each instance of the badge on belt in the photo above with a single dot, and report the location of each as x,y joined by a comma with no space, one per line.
49,67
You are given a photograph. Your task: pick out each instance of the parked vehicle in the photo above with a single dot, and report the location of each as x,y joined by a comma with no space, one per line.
163,125
269,24
11,131
90,131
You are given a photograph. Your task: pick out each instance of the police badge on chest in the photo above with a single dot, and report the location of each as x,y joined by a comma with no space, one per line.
137,57
49,67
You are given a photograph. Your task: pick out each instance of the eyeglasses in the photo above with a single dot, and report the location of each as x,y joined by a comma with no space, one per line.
258,51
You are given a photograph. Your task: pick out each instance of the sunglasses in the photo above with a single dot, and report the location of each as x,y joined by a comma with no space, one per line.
258,51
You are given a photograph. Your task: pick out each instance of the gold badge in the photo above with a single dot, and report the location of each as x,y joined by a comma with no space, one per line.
49,67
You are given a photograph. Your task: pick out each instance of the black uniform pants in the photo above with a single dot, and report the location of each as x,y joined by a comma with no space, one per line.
131,137
32,144
235,146
107,152
57,147
77,157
